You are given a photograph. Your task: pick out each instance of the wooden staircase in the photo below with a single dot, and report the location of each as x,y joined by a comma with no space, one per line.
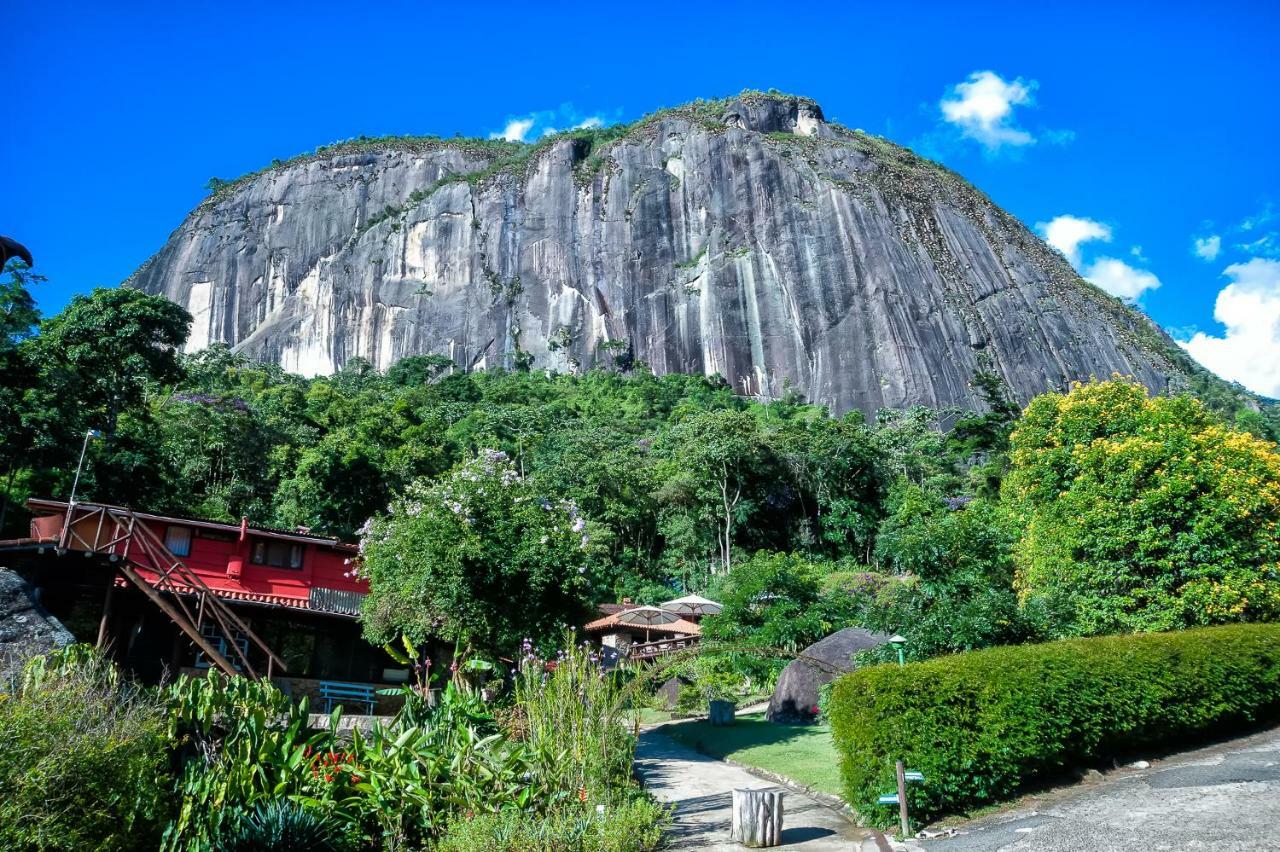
117,534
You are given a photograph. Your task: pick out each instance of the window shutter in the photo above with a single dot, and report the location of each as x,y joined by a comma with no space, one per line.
178,540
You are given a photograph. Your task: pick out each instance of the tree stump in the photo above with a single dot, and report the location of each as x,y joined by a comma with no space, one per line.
757,818
721,713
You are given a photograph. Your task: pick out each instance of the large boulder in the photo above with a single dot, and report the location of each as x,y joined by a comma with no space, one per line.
25,628
796,696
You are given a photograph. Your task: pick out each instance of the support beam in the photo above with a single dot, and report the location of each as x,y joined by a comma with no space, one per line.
104,624
179,619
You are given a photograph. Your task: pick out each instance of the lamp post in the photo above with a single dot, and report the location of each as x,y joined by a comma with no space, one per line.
89,434
899,642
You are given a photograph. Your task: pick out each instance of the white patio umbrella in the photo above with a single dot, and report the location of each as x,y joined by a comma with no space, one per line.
646,617
693,605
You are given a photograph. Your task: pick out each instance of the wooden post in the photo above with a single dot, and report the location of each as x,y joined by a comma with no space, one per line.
757,818
106,613
721,713
902,799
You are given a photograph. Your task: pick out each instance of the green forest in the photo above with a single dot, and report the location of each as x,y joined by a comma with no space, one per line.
1100,510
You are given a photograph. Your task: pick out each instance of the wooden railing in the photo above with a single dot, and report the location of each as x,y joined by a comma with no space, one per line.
649,650
118,534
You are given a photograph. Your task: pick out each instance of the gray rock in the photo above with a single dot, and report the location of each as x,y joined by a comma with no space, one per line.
796,694
747,238
25,628
669,693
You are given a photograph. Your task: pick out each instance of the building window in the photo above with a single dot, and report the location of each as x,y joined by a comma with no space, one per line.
277,554
178,540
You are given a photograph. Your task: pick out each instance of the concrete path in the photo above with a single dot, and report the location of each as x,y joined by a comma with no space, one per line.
702,787
1224,798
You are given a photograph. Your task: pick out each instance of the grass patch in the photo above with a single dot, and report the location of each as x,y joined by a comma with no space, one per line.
803,753
650,716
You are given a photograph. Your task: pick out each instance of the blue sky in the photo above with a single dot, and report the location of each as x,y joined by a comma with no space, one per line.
1150,130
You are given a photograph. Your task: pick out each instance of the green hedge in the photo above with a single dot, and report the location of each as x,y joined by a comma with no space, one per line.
981,725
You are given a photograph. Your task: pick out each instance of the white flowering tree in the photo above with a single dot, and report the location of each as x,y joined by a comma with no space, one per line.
480,558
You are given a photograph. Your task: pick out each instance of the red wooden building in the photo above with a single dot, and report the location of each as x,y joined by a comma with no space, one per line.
165,594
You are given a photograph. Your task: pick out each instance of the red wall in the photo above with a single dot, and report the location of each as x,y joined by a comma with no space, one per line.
322,565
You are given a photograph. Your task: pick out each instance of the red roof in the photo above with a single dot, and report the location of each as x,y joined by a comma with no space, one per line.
300,535
680,627
304,571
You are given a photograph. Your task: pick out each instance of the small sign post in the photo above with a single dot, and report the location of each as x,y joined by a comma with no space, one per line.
902,799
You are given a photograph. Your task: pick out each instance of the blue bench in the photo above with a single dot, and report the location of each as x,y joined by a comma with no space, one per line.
333,693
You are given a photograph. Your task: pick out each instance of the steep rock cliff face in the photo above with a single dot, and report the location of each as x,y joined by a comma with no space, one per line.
748,238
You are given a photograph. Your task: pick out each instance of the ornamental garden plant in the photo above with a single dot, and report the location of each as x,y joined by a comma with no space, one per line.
983,725
91,758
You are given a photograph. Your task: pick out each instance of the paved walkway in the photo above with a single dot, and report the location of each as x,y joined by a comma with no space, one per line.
1220,798
702,787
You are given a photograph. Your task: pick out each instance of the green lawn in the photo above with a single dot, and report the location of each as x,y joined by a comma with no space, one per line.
803,753
649,716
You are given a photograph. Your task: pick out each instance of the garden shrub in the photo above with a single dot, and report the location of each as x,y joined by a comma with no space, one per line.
574,725
280,825
83,758
984,724
636,825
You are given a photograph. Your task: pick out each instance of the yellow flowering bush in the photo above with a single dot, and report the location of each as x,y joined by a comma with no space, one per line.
1141,513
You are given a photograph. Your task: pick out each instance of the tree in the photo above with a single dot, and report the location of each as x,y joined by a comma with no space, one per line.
103,356
776,600
18,318
102,353
953,561
1142,513
710,460
481,557
834,468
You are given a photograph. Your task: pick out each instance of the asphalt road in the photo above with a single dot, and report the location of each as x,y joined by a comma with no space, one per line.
1223,798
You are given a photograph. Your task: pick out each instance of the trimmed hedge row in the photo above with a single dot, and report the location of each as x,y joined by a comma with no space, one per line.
981,725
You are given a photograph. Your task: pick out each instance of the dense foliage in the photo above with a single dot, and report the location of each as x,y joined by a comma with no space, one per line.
1098,510
87,756
83,759
450,558
982,725
1142,513
777,600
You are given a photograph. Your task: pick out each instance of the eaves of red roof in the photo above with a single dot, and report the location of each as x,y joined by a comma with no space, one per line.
38,503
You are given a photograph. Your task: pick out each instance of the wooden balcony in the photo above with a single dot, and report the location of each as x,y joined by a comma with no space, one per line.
650,650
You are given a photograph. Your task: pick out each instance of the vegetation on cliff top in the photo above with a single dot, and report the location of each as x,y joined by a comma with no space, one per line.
502,156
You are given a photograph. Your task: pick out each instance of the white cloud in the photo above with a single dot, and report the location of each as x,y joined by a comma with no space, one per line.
515,131
1262,217
1249,307
982,108
1207,248
1066,233
1267,245
547,122
1119,278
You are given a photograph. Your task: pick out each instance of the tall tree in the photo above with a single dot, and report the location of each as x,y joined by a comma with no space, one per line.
1142,513
710,460
481,557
